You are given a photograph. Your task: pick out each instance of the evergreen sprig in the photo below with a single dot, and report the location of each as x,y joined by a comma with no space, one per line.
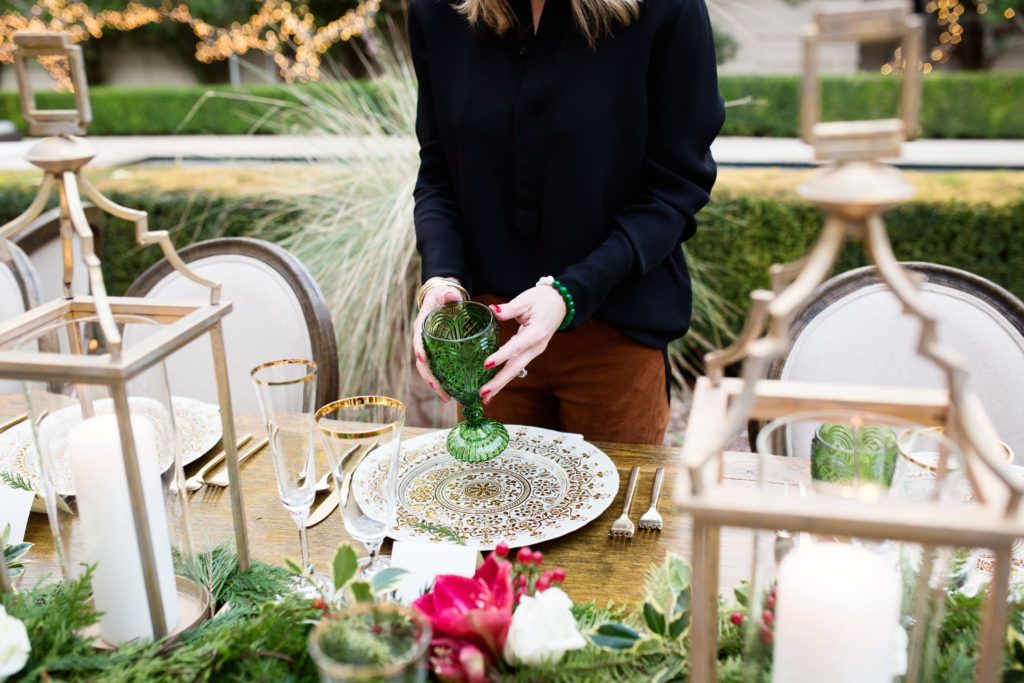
15,481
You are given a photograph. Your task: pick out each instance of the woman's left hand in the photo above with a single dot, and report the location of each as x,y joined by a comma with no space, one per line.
539,310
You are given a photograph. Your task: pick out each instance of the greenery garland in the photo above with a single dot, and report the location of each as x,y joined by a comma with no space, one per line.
262,633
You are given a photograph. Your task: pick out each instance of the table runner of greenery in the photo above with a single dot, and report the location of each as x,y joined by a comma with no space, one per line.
262,634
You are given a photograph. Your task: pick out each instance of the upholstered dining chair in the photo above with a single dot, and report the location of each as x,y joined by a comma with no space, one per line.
279,312
41,241
20,290
853,331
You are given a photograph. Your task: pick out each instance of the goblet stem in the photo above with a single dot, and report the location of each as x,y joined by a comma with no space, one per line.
300,521
374,564
473,412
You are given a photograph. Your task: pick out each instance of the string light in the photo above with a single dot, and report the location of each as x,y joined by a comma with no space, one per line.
286,32
947,15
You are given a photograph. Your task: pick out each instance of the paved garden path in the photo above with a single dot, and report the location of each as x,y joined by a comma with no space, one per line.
728,151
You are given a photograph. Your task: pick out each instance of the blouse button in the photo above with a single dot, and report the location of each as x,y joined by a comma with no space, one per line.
523,50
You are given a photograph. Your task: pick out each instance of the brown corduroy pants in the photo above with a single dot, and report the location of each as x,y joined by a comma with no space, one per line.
592,381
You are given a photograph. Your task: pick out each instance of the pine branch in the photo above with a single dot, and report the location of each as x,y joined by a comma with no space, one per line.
15,481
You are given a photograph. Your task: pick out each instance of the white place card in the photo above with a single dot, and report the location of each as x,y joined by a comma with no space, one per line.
15,504
424,561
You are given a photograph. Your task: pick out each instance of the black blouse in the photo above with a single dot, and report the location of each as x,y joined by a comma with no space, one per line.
542,156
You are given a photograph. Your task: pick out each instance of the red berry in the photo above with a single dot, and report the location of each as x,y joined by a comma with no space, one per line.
736,618
767,617
767,635
525,555
377,629
501,550
543,583
775,590
319,604
521,581
538,557
558,575
770,601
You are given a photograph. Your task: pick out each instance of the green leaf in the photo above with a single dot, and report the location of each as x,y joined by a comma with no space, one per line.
682,602
655,618
344,565
13,552
292,566
386,580
678,627
649,645
668,673
741,594
679,573
4,534
362,591
614,637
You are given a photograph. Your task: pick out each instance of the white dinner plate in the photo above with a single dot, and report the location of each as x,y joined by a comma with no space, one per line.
197,425
546,484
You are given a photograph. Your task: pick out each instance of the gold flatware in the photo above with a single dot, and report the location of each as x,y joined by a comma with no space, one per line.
4,426
221,478
623,526
350,463
195,482
652,518
324,510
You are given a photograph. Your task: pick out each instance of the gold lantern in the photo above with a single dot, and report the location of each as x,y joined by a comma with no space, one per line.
69,354
853,189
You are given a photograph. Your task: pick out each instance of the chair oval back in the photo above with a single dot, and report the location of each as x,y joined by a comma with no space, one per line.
853,331
278,312
41,241
20,290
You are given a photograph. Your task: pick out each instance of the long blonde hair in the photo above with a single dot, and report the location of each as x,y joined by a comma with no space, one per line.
594,18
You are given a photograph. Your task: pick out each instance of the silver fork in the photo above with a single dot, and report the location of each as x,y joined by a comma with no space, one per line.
652,519
623,526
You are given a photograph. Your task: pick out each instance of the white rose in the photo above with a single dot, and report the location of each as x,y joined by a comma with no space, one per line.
899,662
542,629
14,645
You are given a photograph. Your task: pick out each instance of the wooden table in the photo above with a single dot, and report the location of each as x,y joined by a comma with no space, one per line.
597,566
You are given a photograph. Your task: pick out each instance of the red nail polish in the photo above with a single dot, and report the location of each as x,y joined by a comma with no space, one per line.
487,401
485,392
432,386
419,357
496,308
488,365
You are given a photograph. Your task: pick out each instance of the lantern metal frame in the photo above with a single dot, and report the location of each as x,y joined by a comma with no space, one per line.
62,157
853,191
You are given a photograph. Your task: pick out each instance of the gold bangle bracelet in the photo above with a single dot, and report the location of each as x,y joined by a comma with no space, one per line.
435,281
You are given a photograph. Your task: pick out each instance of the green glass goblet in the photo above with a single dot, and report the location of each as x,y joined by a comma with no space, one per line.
854,454
458,338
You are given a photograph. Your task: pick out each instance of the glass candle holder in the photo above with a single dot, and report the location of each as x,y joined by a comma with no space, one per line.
381,642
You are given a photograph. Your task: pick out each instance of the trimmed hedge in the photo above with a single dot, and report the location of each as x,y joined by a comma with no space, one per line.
955,105
743,235
740,235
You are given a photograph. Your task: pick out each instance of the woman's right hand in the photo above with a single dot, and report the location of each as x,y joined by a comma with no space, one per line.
437,295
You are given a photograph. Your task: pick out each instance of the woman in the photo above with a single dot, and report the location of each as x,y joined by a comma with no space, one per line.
564,152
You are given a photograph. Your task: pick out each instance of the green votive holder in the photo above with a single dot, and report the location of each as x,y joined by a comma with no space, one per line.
381,642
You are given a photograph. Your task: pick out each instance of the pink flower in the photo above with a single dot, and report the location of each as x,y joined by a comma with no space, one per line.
457,661
477,610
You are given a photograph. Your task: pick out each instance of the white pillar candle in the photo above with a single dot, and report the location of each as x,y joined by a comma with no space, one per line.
108,527
836,615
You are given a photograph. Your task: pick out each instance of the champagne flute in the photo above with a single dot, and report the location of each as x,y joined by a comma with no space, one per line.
286,390
363,438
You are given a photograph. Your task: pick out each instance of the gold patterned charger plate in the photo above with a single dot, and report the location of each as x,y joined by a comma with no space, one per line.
546,484
197,426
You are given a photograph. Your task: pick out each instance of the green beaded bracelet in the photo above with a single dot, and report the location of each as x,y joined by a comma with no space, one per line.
570,307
